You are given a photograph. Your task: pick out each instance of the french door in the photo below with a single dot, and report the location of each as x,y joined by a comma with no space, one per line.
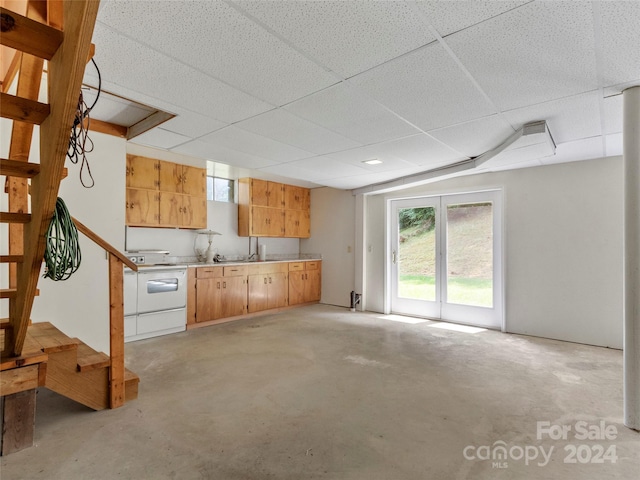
446,258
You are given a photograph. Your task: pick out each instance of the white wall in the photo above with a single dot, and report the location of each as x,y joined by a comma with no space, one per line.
332,236
563,240
80,306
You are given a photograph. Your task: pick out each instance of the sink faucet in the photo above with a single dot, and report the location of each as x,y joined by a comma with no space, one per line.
251,256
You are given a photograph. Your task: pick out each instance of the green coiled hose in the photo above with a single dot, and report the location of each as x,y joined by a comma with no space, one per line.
62,251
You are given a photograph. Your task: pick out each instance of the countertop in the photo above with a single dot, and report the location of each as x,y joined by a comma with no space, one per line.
225,263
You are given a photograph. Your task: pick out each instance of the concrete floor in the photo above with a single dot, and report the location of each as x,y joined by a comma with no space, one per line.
321,392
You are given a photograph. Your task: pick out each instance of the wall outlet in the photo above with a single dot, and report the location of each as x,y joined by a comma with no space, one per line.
348,248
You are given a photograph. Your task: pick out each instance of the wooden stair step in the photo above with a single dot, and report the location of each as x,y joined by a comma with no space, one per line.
131,382
12,217
90,359
30,36
50,339
17,168
23,109
11,258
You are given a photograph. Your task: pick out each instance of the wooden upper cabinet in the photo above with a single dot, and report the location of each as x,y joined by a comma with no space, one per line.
296,198
142,172
184,179
142,207
266,194
170,177
179,194
194,181
270,209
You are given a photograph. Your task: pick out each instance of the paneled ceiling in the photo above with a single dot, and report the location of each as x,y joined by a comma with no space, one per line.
308,90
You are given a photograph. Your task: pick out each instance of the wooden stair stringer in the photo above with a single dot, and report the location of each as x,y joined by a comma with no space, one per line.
64,87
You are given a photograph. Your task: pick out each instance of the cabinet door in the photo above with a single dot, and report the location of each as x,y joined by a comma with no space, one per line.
294,197
170,209
262,222
194,181
142,207
297,224
276,223
258,293
296,287
142,172
259,192
278,290
276,195
194,212
312,286
170,175
234,296
208,298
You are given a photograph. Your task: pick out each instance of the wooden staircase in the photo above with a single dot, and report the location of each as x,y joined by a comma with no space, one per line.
38,354
69,367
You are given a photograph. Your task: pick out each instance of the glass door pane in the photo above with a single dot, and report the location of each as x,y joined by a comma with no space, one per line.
446,258
417,253
470,254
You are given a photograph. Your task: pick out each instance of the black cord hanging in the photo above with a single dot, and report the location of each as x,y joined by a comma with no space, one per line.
79,143
62,251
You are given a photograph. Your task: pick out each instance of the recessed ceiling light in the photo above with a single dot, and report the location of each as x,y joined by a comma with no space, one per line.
373,161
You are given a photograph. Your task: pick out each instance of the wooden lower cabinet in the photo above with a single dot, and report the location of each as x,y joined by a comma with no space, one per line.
220,293
267,291
235,290
305,282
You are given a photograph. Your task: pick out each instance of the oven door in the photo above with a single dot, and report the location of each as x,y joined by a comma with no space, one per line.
161,290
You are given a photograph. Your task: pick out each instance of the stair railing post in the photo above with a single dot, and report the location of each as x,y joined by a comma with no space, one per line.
116,331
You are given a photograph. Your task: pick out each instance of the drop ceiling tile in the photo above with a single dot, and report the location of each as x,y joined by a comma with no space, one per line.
584,149
348,37
192,124
421,87
476,137
614,144
535,53
450,17
222,154
620,41
357,156
160,138
325,166
569,119
613,114
216,39
235,138
421,150
287,128
149,77
344,110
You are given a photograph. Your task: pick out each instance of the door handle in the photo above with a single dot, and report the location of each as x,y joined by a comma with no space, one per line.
394,257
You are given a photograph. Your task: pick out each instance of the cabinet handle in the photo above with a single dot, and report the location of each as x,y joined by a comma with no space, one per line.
269,279
132,171
265,280
224,284
218,285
